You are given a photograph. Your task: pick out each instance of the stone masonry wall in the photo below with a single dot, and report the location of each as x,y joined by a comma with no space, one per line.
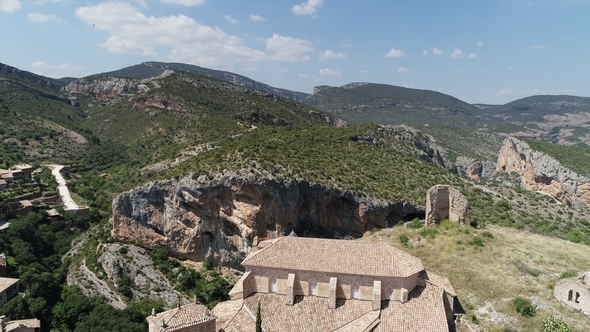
445,202
574,293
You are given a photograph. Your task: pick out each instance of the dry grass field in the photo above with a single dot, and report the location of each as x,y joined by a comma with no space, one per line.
490,267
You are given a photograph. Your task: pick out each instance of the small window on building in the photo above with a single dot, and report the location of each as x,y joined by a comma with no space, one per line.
388,293
313,287
577,297
273,285
570,295
355,291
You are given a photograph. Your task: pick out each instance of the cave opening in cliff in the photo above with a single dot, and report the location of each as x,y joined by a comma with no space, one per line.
394,217
230,228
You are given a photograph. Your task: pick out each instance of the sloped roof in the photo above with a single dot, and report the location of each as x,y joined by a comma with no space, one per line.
310,313
336,256
424,312
32,323
439,281
5,283
179,318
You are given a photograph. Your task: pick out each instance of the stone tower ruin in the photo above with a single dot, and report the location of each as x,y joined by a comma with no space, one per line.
445,202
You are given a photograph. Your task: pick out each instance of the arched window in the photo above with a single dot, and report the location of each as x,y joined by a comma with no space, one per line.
570,295
273,285
355,291
388,293
577,297
313,287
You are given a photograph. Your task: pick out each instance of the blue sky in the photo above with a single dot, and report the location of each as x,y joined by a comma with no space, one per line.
491,51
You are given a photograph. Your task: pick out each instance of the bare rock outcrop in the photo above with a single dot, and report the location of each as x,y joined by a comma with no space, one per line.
544,174
445,202
218,219
103,88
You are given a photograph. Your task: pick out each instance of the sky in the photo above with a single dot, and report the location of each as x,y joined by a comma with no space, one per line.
492,51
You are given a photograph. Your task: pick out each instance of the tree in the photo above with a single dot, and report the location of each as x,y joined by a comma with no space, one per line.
554,324
258,319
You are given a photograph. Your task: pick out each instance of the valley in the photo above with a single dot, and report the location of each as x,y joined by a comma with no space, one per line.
184,168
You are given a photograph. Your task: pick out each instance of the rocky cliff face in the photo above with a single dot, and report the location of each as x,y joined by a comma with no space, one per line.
543,174
104,88
218,219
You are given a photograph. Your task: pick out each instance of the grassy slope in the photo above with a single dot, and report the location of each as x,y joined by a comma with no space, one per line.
512,263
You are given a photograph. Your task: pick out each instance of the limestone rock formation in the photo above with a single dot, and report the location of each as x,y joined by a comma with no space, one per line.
218,219
544,174
475,169
445,202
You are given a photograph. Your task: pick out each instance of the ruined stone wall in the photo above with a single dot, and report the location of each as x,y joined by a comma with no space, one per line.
445,202
574,293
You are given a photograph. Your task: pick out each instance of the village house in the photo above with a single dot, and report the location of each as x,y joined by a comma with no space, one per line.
193,317
8,289
310,284
22,325
574,292
17,172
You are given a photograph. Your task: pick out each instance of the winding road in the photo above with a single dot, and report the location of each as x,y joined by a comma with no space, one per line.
64,193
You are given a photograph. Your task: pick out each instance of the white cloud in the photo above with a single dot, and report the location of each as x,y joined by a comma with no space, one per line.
186,3
182,38
283,70
302,76
288,48
456,54
505,92
435,52
538,47
363,72
472,55
64,66
328,54
41,18
403,70
257,18
10,6
479,44
307,8
330,73
393,53
230,19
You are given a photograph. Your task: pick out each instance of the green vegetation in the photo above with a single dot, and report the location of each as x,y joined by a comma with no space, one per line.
209,287
77,312
555,324
34,246
524,307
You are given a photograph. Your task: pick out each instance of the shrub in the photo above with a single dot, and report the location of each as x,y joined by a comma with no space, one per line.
487,235
474,320
415,223
476,242
568,274
553,324
123,250
429,233
403,238
502,205
524,307
207,264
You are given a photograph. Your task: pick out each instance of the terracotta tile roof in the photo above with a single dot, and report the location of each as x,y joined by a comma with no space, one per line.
439,281
242,322
336,256
308,314
424,312
26,323
5,283
178,318
364,323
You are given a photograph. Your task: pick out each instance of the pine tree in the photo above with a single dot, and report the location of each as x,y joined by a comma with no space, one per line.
258,319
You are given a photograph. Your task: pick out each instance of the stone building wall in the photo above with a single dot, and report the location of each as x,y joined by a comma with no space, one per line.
574,292
445,202
262,283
